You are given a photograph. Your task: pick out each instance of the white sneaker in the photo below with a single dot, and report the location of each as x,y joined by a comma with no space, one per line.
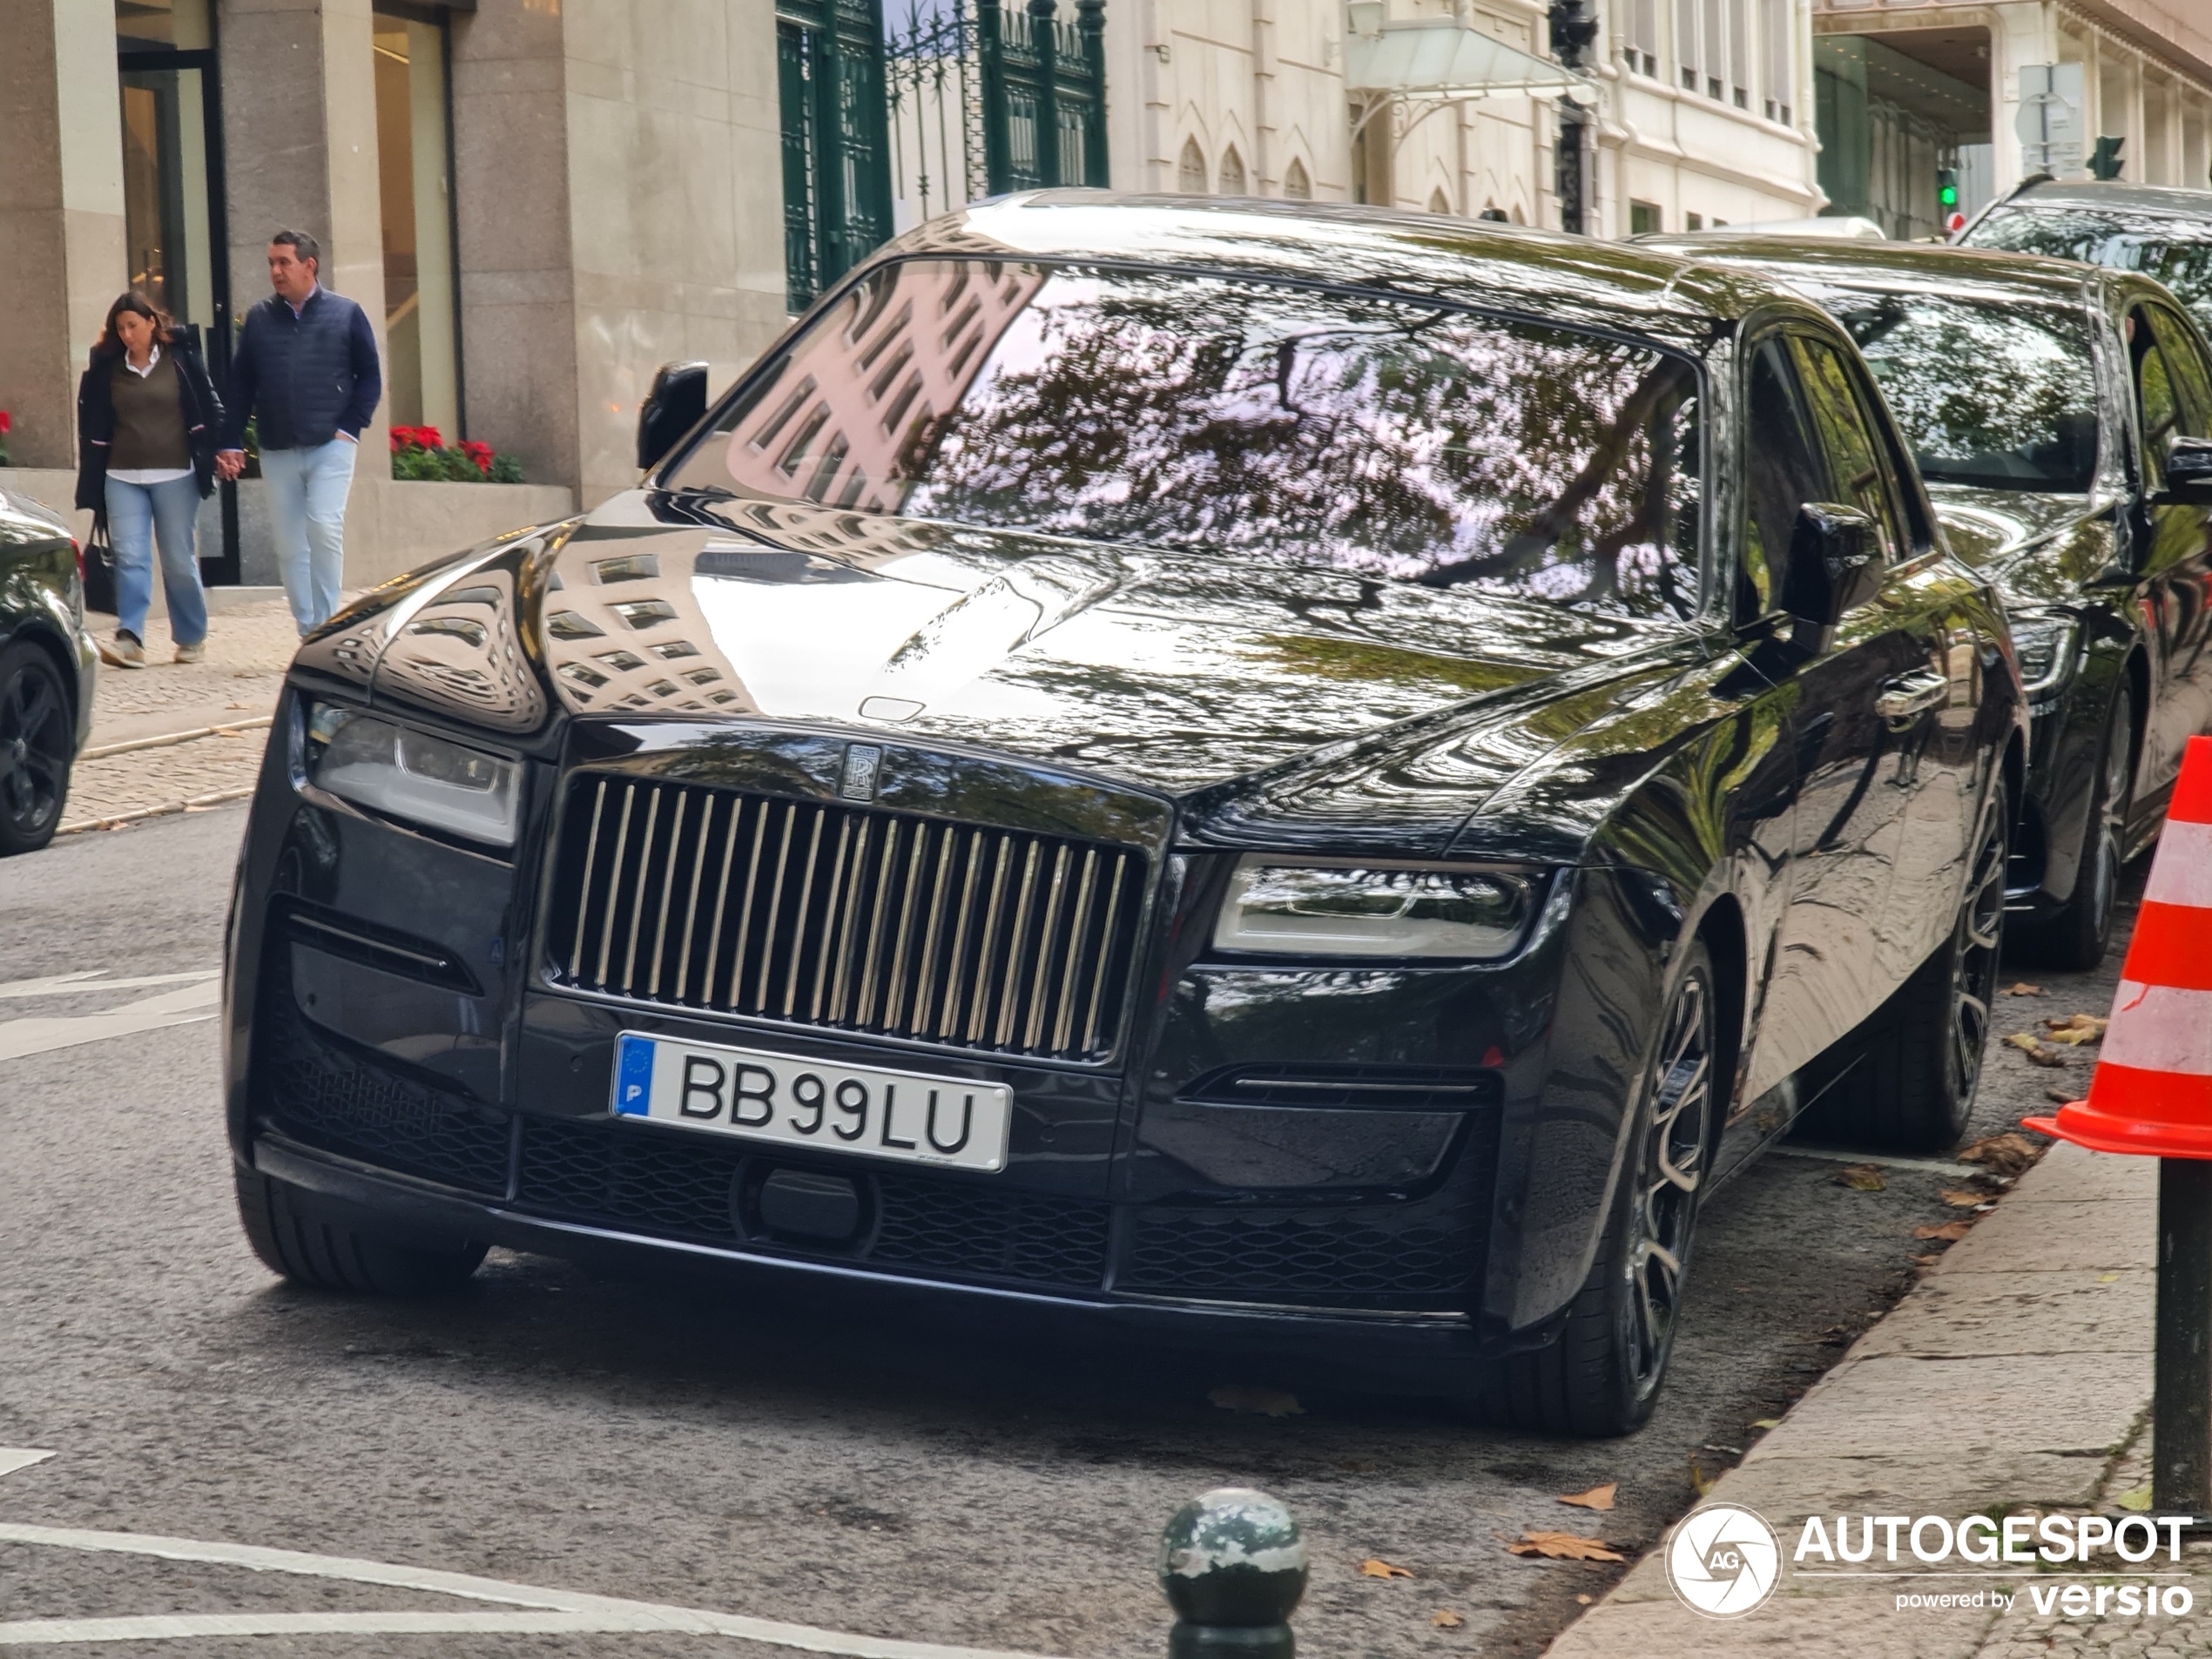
124,651
195,652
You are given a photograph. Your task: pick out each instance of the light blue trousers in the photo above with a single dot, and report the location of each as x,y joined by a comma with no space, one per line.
307,491
138,516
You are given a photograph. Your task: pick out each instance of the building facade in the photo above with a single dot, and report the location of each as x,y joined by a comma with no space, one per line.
1703,116
1907,87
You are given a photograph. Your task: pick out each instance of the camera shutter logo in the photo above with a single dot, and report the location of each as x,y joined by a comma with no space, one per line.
862,763
1723,1561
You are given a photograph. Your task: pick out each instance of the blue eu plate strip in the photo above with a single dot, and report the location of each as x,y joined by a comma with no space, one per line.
634,1075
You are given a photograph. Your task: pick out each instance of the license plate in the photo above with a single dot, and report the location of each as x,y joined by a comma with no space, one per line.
907,1116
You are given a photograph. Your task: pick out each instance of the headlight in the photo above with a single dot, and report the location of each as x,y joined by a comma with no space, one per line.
1283,905
2046,647
411,774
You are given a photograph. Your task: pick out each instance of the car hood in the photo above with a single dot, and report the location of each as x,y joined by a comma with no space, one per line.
2040,549
1260,693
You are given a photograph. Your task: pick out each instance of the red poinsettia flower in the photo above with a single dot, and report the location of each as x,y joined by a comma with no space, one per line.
7,422
479,455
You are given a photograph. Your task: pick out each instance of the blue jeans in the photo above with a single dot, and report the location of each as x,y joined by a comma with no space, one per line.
307,491
138,515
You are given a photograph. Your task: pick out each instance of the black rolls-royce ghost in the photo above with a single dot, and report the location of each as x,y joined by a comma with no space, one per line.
2062,420
1257,776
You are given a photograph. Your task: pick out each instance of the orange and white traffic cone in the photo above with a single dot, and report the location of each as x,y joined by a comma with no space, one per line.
2152,1091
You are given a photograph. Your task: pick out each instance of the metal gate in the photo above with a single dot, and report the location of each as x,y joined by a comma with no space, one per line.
956,100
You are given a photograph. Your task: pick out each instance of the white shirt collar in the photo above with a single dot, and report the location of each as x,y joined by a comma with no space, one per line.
153,356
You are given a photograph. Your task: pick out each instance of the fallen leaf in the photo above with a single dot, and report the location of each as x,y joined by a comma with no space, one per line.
2063,1096
1564,1546
1700,1482
2137,1499
1767,1422
2076,1030
1596,1498
1862,1177
1372,1568
1964,1199
2008,1154
2024,989
1265,1402
1444,1619
2107,1278
1950,1232
2036,1053
1927,1261
1586,1600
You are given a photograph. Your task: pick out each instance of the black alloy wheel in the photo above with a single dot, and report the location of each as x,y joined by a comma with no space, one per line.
38,743
1602,1375
2076,935
1977,943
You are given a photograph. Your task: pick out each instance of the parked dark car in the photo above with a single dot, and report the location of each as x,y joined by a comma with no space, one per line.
47,662
1265,778
2164,234
2062,420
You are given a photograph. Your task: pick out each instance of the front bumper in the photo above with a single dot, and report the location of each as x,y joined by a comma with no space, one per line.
450,1081
1432,1351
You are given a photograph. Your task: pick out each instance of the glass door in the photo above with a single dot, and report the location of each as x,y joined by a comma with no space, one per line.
174,232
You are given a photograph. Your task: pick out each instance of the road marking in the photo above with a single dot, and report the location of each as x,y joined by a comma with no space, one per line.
179,1007
19,1457
598,1612
88,979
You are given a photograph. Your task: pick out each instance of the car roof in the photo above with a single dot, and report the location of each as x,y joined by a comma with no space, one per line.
1980,273
1683,302
2112,196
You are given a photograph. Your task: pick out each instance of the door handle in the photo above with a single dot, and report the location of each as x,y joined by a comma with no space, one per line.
1911,695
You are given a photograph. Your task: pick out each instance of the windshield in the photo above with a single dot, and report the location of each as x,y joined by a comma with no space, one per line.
1396,439
1994,393
2177,251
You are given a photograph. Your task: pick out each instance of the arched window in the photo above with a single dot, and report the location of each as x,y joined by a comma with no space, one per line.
1232,172
1190,172
1436,201
1296,186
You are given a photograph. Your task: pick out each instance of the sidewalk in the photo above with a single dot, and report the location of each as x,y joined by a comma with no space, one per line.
248,649
2016,1376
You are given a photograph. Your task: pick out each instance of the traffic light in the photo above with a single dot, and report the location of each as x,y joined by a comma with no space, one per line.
2105,162
1947,190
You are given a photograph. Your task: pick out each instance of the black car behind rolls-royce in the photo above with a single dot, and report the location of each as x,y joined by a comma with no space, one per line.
46,669
1262,777
2062,420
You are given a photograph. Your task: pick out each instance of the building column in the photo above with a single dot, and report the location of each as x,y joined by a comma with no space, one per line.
62,257
511,173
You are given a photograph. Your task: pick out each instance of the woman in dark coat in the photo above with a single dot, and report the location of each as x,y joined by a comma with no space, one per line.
147,421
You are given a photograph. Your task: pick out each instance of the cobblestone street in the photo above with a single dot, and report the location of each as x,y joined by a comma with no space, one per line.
228,696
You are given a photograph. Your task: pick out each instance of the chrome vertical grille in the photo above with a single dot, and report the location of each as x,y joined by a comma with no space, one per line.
848,917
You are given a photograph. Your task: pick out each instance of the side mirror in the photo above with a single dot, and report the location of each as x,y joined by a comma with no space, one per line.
1834,556
677,404
2189,472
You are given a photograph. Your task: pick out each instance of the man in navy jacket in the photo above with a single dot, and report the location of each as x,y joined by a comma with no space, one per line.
305,365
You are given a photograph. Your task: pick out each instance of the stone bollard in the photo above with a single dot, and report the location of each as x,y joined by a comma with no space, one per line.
1233,1567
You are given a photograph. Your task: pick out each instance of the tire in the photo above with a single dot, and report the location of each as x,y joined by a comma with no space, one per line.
1603,1376
2076,935
300,1239
1913,1088
37,746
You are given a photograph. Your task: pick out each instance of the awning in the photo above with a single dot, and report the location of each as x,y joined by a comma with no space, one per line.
1439,60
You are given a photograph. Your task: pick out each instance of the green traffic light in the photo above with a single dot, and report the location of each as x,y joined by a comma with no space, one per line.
1947,187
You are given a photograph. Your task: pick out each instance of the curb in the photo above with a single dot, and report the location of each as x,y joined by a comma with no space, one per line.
196,804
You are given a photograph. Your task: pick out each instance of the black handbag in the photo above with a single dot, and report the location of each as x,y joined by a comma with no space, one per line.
99,569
